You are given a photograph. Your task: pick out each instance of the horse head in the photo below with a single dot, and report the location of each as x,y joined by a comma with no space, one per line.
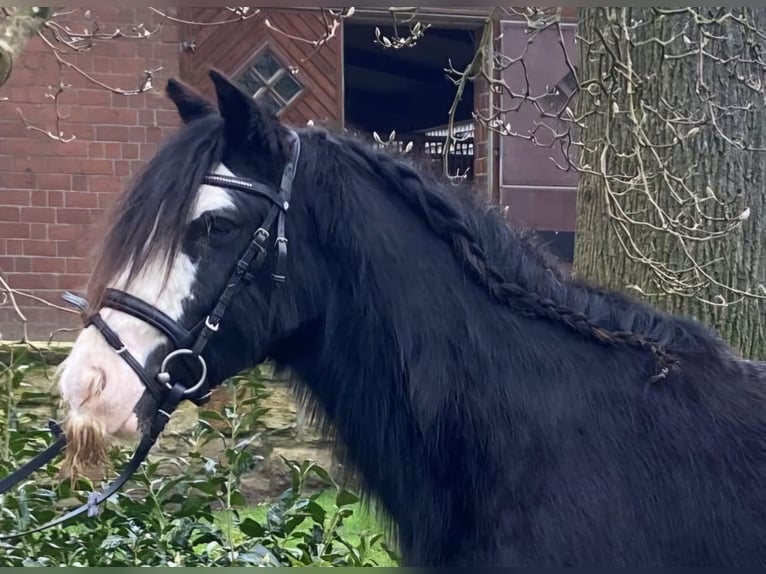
190,283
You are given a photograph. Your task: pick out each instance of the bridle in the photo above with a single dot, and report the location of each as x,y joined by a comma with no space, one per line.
167,392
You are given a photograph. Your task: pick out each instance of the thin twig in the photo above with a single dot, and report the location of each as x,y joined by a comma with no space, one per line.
242,13
59,134
144,82
10,291
332,22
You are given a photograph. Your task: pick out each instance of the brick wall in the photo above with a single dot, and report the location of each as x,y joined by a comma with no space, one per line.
53,195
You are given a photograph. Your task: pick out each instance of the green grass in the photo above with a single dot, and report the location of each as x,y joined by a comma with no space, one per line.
362,520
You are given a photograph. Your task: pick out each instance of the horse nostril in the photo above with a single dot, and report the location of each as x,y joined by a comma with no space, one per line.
100,383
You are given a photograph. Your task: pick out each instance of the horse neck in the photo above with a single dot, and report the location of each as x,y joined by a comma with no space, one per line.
406,336
384,403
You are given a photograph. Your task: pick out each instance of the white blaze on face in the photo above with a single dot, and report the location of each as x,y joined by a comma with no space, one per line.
97,384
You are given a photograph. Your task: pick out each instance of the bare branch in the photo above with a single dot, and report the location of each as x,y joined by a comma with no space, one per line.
8,296
59,133
645,129
472,71
332,20
82,41
144,81
241,14
416,29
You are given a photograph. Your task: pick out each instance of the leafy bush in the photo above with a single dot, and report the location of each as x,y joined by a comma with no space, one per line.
177,510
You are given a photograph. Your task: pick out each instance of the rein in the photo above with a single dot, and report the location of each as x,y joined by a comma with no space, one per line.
167,392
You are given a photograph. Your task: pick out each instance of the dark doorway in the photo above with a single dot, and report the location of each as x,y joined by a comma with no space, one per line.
408,90
559,243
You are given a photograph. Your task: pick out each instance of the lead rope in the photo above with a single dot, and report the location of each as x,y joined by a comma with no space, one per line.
160,419
39,461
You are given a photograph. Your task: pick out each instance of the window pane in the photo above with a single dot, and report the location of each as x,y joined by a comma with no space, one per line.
287,87
250,82
270,101
267,65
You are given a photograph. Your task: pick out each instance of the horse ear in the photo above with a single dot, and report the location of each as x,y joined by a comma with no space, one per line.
190,104
246,120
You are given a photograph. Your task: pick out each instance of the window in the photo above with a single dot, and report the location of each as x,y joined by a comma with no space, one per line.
269,81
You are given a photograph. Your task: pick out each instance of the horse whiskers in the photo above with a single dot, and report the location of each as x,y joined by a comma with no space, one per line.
87,442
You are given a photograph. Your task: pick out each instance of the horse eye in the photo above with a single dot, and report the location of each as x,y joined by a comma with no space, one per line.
219,226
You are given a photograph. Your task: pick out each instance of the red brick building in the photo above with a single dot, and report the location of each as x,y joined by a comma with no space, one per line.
53,194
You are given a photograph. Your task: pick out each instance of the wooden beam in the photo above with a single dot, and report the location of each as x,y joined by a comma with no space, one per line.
401,111
385,64
465,18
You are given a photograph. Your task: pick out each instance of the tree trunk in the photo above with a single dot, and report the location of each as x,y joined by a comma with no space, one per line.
16,29
658,151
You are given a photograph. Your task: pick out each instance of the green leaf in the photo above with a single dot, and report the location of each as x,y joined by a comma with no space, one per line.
191,506
323,475
111,542
293,522
206,538
316,511
165,488
346,498
252,528
212,416
260,555
237,499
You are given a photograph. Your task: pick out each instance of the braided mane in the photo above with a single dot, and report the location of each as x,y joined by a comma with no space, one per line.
494,253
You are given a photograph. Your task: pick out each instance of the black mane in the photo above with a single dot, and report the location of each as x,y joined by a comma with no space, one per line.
515,254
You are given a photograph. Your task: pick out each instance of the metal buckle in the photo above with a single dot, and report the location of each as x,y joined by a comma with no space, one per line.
164,377
211,326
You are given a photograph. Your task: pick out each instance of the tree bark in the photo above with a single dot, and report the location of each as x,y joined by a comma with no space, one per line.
16,29
717,100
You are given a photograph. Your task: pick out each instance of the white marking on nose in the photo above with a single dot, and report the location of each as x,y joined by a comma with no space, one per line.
92,359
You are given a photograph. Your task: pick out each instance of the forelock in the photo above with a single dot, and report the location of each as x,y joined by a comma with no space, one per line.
150,219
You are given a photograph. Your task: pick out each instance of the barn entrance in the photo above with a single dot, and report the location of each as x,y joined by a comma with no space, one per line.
407,90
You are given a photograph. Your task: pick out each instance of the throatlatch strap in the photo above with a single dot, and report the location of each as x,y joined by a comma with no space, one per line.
287,189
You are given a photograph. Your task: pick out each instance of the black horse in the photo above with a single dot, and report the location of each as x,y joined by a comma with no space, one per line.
501,411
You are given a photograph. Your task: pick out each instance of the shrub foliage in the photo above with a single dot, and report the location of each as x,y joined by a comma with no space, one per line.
177,510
